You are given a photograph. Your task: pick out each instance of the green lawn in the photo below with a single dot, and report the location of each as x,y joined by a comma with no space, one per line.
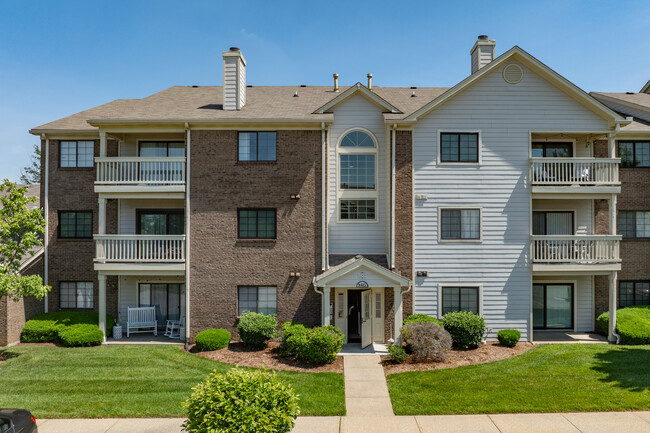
130,381
556,378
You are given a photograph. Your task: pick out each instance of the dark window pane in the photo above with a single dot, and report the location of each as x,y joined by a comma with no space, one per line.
539,223
642,154
460,299
459,147
68,225
84,225
627,224
266,143
642,293
558,150
257,224
449,147
643,224
626,153
357,209
537,150
626,294
247,300
450,224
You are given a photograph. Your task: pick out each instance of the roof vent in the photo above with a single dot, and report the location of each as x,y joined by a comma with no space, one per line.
295,94
512,74
303,85
629,93
336,82
413,94
195,86
413,87
234,49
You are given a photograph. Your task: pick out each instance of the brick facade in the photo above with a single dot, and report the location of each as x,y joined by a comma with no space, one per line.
220,262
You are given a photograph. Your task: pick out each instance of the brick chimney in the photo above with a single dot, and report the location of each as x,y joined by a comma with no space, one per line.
234,79
482,52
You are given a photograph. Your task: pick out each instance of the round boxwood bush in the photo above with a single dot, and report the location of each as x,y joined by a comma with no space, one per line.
247,401
416,318
397,353
508,337
81,334
318,345
466,328
212,339
292,337
256,329
427,340
632,324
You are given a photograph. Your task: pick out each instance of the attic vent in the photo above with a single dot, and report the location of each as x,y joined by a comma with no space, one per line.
512,74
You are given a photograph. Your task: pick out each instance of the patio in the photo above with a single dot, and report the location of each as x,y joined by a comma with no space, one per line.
159,339
564,337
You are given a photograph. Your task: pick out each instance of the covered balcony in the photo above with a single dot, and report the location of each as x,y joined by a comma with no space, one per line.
575,175
583,254
137,175
128,254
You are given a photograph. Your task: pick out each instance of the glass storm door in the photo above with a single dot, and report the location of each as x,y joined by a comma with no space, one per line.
366,319
553,306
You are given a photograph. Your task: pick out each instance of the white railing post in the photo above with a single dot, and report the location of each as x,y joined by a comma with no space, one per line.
576,249
140,248
574,171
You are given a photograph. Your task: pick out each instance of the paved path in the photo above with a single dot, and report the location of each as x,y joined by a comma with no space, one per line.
598,422
366,392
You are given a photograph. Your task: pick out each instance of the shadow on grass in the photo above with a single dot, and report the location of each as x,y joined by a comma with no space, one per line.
625,367
8,354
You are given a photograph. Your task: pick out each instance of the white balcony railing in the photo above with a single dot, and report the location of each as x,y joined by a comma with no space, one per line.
576,249
139,248
146,170
574,171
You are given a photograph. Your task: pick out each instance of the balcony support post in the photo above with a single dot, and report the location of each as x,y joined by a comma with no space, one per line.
612,214
398,312
611,146
102,303
326,306
101,226
102,144
611,335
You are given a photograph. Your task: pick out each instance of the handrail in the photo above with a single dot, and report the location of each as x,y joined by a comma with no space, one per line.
151,171
584,249
574,171
140,248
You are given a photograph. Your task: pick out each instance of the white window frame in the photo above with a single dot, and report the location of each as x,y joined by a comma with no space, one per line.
480,223
460,163
479,286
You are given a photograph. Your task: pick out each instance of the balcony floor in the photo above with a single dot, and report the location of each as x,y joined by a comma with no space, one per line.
145,339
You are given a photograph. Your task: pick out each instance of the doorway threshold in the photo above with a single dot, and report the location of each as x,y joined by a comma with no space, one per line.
355,349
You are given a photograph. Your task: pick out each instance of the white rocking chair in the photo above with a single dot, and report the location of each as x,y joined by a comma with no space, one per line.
173,328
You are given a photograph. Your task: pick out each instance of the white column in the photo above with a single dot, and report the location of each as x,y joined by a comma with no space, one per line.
612,214
612,306
102,144
102,303
326,306
611,145
101,221
397,308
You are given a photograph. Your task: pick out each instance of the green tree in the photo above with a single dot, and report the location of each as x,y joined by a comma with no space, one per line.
32,173
21,229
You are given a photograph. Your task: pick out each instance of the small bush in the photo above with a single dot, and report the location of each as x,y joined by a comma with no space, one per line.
632,324
508,337
256,329
212,339
247,401
466,328
81,335
397,353
427,340
292,336
45,327
421,318
318,345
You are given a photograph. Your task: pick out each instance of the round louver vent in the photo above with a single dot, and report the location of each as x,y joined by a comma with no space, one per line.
513,74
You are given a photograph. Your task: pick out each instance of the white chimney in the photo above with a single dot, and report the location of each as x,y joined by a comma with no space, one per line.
234,79
482,52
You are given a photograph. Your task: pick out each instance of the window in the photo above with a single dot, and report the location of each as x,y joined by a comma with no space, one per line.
257,146
634,224
160,222
262,299
76,295
357,139
161,148
75,225
553,149
459,299
76,154
357,209
378,309
458,147
634,153
552,223
633,293
357,171
256,223
460,224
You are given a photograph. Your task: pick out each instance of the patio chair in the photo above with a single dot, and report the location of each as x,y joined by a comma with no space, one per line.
174,327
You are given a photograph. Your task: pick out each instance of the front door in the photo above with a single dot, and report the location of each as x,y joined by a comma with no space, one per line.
366,320
553,306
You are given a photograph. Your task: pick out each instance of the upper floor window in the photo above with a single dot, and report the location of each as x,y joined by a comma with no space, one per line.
76,294
357,139
75,224
357,210
357,171
460,224
459,147
257,146
161,148
256,223
634,224
552,223
551,149
634,153
160,222
76,153
633,293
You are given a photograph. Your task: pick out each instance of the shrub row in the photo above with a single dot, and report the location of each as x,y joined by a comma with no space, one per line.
316,345
632,324
212,339
71,328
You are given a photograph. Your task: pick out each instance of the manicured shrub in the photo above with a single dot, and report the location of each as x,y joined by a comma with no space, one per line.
256,329
421,318
212,339
466,328
293,335
508,337
397,353
427,340
246,401
632,324
318,345
45,327
81,335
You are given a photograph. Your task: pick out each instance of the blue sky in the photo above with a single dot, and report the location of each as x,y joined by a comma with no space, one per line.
58,58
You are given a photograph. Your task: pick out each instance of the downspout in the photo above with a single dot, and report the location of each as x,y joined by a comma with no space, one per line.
323,198
187,236
46,211
392,201
327,245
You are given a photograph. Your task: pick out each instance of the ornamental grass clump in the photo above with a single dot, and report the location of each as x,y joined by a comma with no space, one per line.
256,329
508,337
241,401
212,339
427,340
466,328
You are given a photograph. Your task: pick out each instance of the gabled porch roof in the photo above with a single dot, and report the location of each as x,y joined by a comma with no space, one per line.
342,273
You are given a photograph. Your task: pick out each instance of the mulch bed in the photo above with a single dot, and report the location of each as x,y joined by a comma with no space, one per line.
455,358
238,354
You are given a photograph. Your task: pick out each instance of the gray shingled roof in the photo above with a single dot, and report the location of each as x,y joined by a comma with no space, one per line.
641,99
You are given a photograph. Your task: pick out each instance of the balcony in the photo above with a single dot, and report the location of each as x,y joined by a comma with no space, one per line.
138,175
576,254
575,175
124,254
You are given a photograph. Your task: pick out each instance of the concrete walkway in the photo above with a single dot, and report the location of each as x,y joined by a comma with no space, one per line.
366,392
598,422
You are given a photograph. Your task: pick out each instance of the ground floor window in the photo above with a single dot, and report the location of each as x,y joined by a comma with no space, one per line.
553,306
76,294
633,293
459,299
259,299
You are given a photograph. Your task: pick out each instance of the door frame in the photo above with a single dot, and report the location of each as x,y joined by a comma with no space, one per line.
574,303
341,322
181,296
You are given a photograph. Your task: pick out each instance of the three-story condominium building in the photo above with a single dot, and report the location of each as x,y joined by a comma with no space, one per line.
354,205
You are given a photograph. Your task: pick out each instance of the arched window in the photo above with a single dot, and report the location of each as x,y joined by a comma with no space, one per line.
357,167
357,139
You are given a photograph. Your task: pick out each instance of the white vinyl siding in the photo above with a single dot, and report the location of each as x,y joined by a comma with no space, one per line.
506,115
357,237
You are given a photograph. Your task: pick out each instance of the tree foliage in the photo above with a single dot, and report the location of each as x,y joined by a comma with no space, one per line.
31,174
21,229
